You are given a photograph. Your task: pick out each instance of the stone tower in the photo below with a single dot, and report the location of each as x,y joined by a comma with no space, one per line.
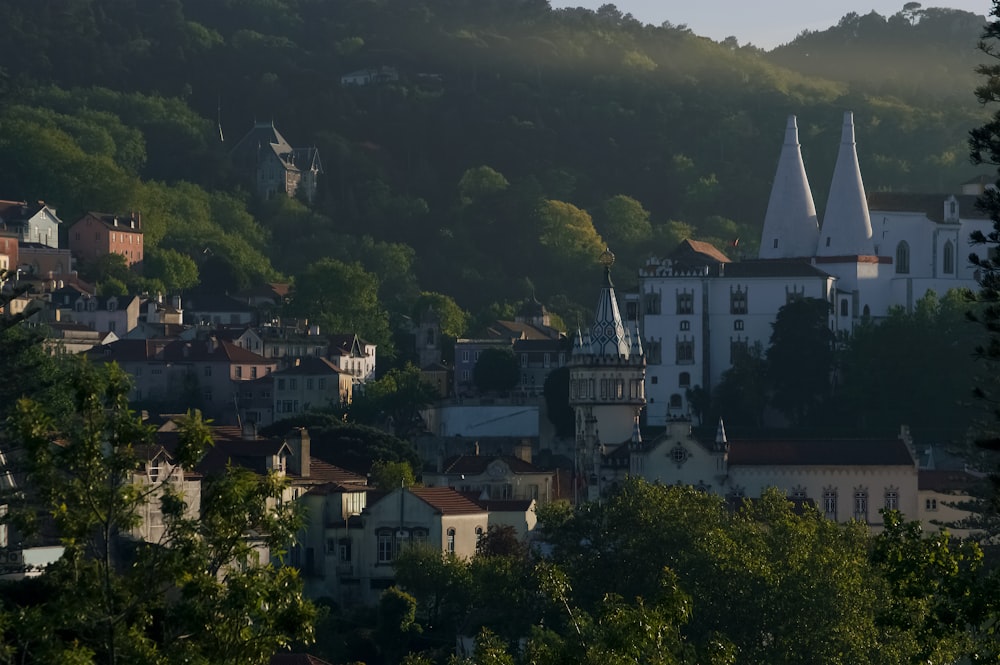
607,371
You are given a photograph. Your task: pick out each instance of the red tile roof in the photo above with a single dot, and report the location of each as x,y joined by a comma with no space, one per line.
941,480
824,452
476,464
320,470
446,500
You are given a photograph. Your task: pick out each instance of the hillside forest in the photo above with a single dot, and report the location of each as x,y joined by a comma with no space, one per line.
514,142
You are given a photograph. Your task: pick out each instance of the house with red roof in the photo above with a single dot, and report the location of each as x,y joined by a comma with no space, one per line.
97,234
182,374
495,477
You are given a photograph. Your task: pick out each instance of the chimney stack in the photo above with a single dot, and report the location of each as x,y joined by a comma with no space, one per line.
301,445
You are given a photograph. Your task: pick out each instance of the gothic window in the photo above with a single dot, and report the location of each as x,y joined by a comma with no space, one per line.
844,308
861,504
676,401
685,303
738,301
653,352
891,498
902,258
799,493
685,351
652,303
830,503
738,324
685,325
949,258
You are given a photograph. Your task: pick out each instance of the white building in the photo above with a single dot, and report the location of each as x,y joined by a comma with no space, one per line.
845,479
871,253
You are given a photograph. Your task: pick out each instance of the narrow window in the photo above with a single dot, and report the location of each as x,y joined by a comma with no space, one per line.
902,258
949,258
451,541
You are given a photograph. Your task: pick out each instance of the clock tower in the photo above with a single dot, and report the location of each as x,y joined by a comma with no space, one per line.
607,372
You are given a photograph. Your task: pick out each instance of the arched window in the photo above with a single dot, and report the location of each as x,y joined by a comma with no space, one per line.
684,380
675,401
451,541
843,307
902,258
949,258
866,313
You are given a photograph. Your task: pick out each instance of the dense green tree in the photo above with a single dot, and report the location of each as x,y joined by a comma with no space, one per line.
800,358
343,298
984,143
178,272
441,583
497,370
480,182
387,476
112,598
741,396
454,321
623,222
349,445
883,357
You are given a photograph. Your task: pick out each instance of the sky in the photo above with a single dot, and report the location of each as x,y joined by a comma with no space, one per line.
764,23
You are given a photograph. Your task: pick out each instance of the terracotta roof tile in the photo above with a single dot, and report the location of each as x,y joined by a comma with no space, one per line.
824,452
476,464
446,500
324,471
941,480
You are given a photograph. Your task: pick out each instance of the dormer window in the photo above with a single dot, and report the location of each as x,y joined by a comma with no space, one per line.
91,305
112,304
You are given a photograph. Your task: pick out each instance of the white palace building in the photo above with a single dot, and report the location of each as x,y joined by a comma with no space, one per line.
695,308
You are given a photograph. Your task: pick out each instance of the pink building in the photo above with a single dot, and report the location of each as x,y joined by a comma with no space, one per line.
96,234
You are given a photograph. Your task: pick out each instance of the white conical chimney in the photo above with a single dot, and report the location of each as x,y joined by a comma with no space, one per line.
847,228
790,225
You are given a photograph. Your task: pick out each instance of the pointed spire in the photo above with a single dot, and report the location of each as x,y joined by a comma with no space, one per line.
721,442
790,225
636,343
578,349
847,228
607,336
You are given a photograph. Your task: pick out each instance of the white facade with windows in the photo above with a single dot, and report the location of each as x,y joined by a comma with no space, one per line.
845,479
697,308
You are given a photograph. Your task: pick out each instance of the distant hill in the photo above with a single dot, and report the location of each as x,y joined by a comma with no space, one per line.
572,106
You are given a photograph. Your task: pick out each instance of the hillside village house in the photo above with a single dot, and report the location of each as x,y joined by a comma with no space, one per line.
31,223
353,355
310,383
117,314
494,477
264,156
8,250
365,546
697,309
97,234
185,373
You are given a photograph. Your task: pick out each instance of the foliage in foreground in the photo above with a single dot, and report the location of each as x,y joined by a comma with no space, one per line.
199,593
662,574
